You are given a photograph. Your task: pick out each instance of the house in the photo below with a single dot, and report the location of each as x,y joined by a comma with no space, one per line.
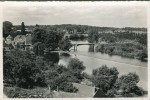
9,39
85,91
23,42
19,41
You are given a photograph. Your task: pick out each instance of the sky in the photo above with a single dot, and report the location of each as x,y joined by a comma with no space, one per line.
103,16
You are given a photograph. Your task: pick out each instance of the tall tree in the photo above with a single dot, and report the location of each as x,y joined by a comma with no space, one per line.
7,28
38,35
22,28
52,39
104,77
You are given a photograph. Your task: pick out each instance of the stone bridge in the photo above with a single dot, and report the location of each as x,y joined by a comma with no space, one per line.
77,44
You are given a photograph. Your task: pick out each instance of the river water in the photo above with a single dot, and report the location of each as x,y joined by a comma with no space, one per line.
93,60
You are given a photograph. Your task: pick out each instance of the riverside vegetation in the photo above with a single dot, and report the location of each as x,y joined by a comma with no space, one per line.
37,74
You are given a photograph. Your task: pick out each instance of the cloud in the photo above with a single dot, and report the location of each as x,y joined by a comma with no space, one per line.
117,16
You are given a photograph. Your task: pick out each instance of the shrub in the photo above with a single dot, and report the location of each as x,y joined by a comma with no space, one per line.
16,92
67,87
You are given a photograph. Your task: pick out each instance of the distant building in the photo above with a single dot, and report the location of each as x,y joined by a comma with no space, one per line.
120,31
9,39
66,35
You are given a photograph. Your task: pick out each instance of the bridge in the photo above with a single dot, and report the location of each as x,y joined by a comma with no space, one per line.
77,44
75,48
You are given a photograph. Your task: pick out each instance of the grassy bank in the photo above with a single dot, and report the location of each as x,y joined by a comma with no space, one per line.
131,50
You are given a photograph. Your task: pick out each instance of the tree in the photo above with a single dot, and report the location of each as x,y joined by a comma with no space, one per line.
22,28
51,57
52,39
128,85
104,77
38,49
7,28
65,44
142,55
76,68
19,69
38,35
93,36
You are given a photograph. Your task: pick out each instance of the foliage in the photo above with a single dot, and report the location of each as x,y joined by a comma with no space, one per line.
51,57
22,28
93,36
75,68
48,39
122,36
127,84
104,77
19,69
38,35
52,40
7,28
131,49
38,49
67,87
76,36
16,92
65,45
111,93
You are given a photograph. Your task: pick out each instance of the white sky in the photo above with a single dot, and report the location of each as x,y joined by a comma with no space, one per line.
109,16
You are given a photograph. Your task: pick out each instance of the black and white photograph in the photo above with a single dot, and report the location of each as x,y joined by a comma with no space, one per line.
75,50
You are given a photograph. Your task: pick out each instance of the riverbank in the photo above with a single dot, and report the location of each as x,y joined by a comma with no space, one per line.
124,49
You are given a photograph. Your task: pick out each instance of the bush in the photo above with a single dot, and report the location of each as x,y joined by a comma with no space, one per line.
67,87
128,85
16,92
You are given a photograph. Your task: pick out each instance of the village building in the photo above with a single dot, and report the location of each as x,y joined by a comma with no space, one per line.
19,42
9,39
23,42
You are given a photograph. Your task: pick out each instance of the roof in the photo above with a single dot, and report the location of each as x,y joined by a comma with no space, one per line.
9,37
20,39
99,94
84,90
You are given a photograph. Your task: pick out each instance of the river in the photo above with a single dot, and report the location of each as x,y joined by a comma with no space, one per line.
93,60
